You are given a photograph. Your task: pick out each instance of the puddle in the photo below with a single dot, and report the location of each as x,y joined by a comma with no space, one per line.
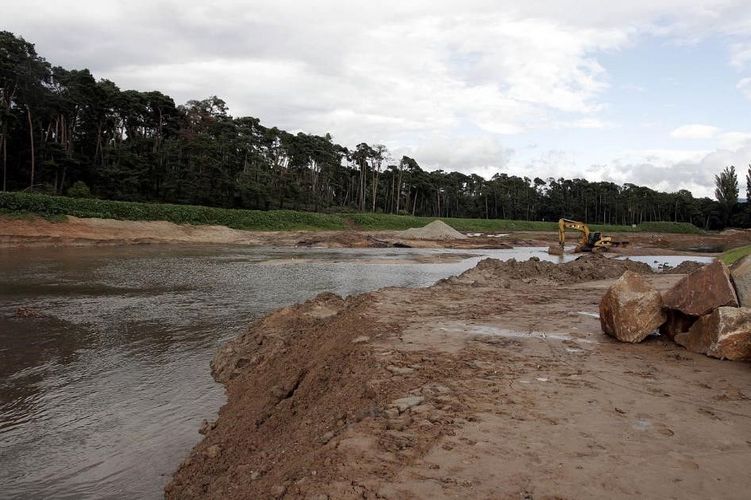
488,330
661,261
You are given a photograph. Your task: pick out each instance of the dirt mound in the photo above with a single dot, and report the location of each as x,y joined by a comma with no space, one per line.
585,268
297,382
436,230
685,267
343,239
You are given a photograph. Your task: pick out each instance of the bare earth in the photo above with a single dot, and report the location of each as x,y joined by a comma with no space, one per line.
495,384
86,232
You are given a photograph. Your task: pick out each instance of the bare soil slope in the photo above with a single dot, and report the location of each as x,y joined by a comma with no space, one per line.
494,384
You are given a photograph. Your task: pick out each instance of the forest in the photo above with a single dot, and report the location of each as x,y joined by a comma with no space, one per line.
64,132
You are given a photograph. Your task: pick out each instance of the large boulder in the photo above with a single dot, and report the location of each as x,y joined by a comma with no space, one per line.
676,323
741,274
724,334
631,309
702,291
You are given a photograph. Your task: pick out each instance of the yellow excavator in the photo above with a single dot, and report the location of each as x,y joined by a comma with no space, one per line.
589,241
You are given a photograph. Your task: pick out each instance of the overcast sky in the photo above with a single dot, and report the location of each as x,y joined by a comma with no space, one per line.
654,92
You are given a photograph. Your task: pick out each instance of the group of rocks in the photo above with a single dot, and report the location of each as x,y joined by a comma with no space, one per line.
708,311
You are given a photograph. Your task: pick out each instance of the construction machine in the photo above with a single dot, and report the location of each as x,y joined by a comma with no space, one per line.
589,241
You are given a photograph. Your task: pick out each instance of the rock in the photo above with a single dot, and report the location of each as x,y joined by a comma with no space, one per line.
213,451
741,274
278,490
28,312
325,438
702,291
206,426
631,309
399,370
391,412
360,339
676,323
723,334
555,250
405,404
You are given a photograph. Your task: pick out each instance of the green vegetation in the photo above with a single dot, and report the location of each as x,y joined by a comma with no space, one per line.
64,132
735,254
55,207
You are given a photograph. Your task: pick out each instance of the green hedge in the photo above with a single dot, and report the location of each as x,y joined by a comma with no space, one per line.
54,207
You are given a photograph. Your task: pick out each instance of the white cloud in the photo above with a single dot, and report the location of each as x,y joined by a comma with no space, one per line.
740,54
745,87
734,140
695,131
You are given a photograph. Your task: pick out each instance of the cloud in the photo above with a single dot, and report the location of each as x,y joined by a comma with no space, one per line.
673,170
695,131
745,87
457,85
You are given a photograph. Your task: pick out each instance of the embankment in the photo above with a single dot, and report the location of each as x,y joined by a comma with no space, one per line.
494,384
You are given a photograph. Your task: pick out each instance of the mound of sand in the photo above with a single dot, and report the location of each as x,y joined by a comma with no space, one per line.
585,268
436,230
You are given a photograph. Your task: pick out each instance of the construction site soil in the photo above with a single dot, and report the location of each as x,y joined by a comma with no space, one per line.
497,383
73,231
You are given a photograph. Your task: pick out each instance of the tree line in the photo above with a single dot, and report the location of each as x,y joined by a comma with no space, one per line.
64,132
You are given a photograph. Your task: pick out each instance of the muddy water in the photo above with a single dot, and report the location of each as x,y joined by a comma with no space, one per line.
102,393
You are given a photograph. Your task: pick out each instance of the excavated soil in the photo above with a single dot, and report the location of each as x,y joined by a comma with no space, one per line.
494,384
436,230
35,231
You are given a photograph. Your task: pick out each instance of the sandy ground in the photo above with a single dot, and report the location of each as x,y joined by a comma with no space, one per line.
86,232
495,384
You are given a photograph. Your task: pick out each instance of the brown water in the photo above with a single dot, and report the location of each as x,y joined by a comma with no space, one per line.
103,394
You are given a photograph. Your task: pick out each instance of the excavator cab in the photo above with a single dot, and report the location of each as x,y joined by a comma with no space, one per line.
588,241
594,238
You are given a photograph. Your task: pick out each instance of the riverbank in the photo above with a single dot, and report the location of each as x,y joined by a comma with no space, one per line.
494,384
35,231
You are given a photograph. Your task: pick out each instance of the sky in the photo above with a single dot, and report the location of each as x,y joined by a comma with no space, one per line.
650,92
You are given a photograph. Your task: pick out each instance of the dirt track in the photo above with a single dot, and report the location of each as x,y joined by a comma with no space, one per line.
495,384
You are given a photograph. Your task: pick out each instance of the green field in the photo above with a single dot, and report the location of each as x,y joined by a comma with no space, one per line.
735,254
55,207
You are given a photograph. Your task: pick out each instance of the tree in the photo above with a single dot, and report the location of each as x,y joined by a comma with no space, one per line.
726,186
726,191
748,184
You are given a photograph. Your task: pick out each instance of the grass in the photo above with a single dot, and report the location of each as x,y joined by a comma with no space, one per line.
56,207
735,254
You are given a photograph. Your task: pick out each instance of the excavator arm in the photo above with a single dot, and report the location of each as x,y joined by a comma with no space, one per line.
564,224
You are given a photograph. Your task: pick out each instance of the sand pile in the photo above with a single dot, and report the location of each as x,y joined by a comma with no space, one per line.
296,382
585,268
436,230
686,267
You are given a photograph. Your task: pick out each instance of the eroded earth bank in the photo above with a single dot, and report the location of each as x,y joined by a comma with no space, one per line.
494,384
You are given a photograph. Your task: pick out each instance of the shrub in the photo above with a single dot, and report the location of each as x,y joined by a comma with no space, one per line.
79,189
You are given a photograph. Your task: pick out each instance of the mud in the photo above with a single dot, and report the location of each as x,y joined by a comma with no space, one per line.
494,384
